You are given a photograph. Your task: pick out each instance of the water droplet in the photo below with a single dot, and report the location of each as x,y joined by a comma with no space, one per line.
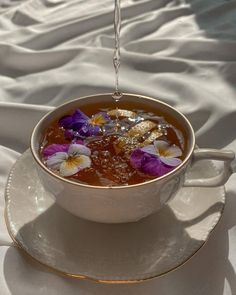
117,95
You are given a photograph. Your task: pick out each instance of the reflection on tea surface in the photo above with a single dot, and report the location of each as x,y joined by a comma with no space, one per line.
112,147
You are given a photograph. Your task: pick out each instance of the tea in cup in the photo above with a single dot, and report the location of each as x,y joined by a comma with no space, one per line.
118,163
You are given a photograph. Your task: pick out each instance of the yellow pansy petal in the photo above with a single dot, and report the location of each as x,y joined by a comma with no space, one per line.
68,169
97,120
83,162
74,164
164,150
173,152
161,145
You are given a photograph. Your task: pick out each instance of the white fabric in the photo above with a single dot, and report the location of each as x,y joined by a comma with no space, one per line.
182,51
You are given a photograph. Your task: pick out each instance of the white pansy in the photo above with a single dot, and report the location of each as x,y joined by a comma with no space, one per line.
76,159
167,154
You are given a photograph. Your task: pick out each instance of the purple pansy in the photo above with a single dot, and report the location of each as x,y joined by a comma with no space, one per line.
67,159
80,125
156,159
55,148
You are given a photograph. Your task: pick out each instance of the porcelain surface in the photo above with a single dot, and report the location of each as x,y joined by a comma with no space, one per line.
114,253
127,203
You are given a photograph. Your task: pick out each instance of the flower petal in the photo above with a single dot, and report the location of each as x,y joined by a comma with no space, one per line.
74,165
77,125
78,115
84,130
148,164
163,169
69,134
172,162
151,166
75,121
78,149
67,169
173,151
161,146
105,116
136,159
55,160
149,149
83,162
99,119
89,130
54,148
79,141
94,130
66,122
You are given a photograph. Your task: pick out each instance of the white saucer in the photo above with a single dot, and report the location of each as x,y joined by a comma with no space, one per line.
104,252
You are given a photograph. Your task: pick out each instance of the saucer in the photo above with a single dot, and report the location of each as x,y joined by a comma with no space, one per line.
109,253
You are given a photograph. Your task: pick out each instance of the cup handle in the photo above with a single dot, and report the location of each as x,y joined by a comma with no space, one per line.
213,154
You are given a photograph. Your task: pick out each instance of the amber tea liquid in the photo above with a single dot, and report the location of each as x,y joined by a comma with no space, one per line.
111,149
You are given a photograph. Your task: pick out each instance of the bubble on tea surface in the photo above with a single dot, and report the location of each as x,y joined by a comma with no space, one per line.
105,154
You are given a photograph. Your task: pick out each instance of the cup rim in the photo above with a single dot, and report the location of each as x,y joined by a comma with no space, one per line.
68,181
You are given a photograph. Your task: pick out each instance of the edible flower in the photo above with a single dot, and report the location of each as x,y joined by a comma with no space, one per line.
78,124
156,159
68,159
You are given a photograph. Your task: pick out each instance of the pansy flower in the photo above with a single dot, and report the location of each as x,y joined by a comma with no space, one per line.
68,159
79,124
156,159
54,148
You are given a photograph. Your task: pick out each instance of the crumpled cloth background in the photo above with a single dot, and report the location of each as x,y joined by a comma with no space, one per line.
181,51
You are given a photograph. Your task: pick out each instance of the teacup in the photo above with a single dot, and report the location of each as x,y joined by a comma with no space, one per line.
120,204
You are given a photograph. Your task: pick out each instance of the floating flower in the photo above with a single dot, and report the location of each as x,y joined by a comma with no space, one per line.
167,154
54,148
67,159
156,159
78,124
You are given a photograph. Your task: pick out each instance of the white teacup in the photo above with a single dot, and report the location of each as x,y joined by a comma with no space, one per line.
125,203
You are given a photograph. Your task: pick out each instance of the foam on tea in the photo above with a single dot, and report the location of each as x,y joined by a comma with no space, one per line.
110,147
